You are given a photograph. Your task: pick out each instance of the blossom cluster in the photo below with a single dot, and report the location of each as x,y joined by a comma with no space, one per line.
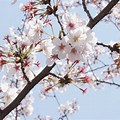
116,14
77,44
69,108
18,60
73,51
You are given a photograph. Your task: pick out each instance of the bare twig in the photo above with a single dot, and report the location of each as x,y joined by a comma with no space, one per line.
95,69
102,81
107,46
24,74
56,15
54,75
109,83
64,114
115,24
86,10
114,48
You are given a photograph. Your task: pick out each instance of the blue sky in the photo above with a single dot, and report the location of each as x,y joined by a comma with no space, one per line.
95,105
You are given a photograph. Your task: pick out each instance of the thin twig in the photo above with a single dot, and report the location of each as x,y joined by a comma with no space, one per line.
54,75
86,10
109,83
56,15
55,97
114,48
104,45
114,24
95,69
24,74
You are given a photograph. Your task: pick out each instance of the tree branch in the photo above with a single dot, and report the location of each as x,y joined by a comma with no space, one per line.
86,10
109,83
24,74
47,69
25,91
116,47
102,14
108,46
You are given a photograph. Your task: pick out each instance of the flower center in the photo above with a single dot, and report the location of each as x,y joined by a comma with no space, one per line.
73,50
62,46
71,25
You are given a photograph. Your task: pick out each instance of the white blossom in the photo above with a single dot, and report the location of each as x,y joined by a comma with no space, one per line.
61,48
69,108
71,21
4,84
28,107
10,95
34,28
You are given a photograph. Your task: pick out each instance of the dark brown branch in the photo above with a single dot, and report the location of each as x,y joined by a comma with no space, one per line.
109,83
54,75
102,14
115,47
47,69
86,10
104,45
25,91
56,15
24,74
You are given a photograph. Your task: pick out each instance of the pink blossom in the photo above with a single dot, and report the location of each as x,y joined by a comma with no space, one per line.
61,48
71,21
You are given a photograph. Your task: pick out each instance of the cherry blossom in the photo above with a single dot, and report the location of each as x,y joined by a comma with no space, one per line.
73,55
69,3
10,95
61,48
47,117
4,84
71,21
34,29
69,108
73,45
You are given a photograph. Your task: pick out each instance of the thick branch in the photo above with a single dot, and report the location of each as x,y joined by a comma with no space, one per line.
25,91
102,14
47,69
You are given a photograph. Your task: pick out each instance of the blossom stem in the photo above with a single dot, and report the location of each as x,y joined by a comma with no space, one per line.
86,10
24,74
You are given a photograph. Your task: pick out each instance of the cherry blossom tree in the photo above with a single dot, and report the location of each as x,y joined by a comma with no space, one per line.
67,41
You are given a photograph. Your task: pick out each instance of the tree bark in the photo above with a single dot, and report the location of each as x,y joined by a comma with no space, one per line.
47,69
102,14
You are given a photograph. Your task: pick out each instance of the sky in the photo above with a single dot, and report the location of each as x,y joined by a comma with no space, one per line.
94,105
